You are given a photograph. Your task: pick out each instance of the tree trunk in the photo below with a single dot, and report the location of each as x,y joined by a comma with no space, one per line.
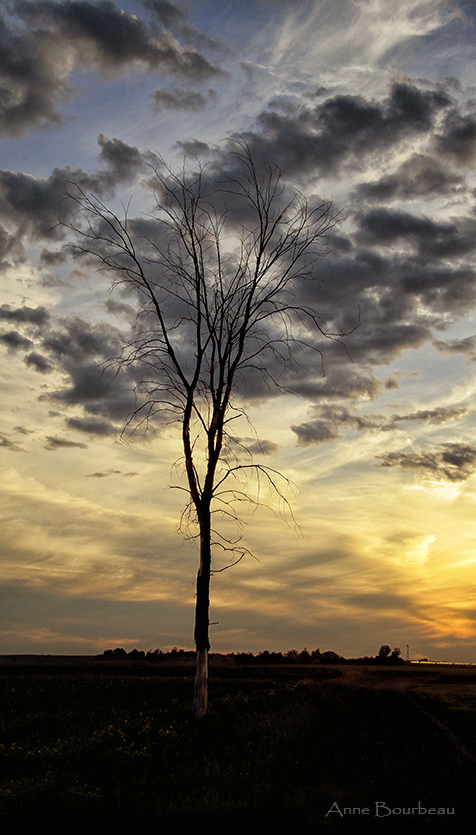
200,696
202,607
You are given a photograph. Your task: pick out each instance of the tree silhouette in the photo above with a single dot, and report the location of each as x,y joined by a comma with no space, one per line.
213,274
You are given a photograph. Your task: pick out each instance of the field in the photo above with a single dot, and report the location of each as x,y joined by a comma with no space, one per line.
316,746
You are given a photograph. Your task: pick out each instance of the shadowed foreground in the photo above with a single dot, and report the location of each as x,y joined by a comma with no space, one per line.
278,744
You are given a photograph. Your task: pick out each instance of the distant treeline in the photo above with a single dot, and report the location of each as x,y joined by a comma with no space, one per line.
293,656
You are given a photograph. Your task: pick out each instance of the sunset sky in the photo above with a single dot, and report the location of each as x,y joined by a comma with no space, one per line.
368,103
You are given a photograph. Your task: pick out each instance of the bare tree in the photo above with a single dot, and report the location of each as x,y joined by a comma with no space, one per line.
216,304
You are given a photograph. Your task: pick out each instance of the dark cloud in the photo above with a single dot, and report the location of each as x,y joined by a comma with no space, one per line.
328,419
437,416
86,355
315,432
34,80
383,337
54,443
34,321
22,430
342,381
90,387
15,341
260,447
168,13
252,446
119,308
448,239
345,128
457,346
81,352
417,177
407,274
52,258
175,19
31,315
457,139
34,206
124,162
112,40
7,443
194,148
42,42
103,475
39,363
181,99
453,462
77,339
108,473
92,427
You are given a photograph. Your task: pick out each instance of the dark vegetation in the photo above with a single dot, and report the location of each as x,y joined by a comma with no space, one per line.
384,656
281,741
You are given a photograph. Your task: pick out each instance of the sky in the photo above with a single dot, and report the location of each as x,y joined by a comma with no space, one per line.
368,103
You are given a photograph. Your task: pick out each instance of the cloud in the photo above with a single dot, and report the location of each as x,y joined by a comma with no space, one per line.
343,380
437,416
260,447
181,99
467,346
418,548
194,148
31,315
54,443
251,446
409,274
104,474
344,128
444,239
41,44
124,162
457,140
38,362
406,273
79,340
171,15
14,340
454,462
22,430
417,177
95,391
33,321
32,207
81,352
92,427
328,419
315,432
7,443
174,18
108,473
85,354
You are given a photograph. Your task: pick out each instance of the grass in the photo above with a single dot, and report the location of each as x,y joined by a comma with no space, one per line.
275,744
